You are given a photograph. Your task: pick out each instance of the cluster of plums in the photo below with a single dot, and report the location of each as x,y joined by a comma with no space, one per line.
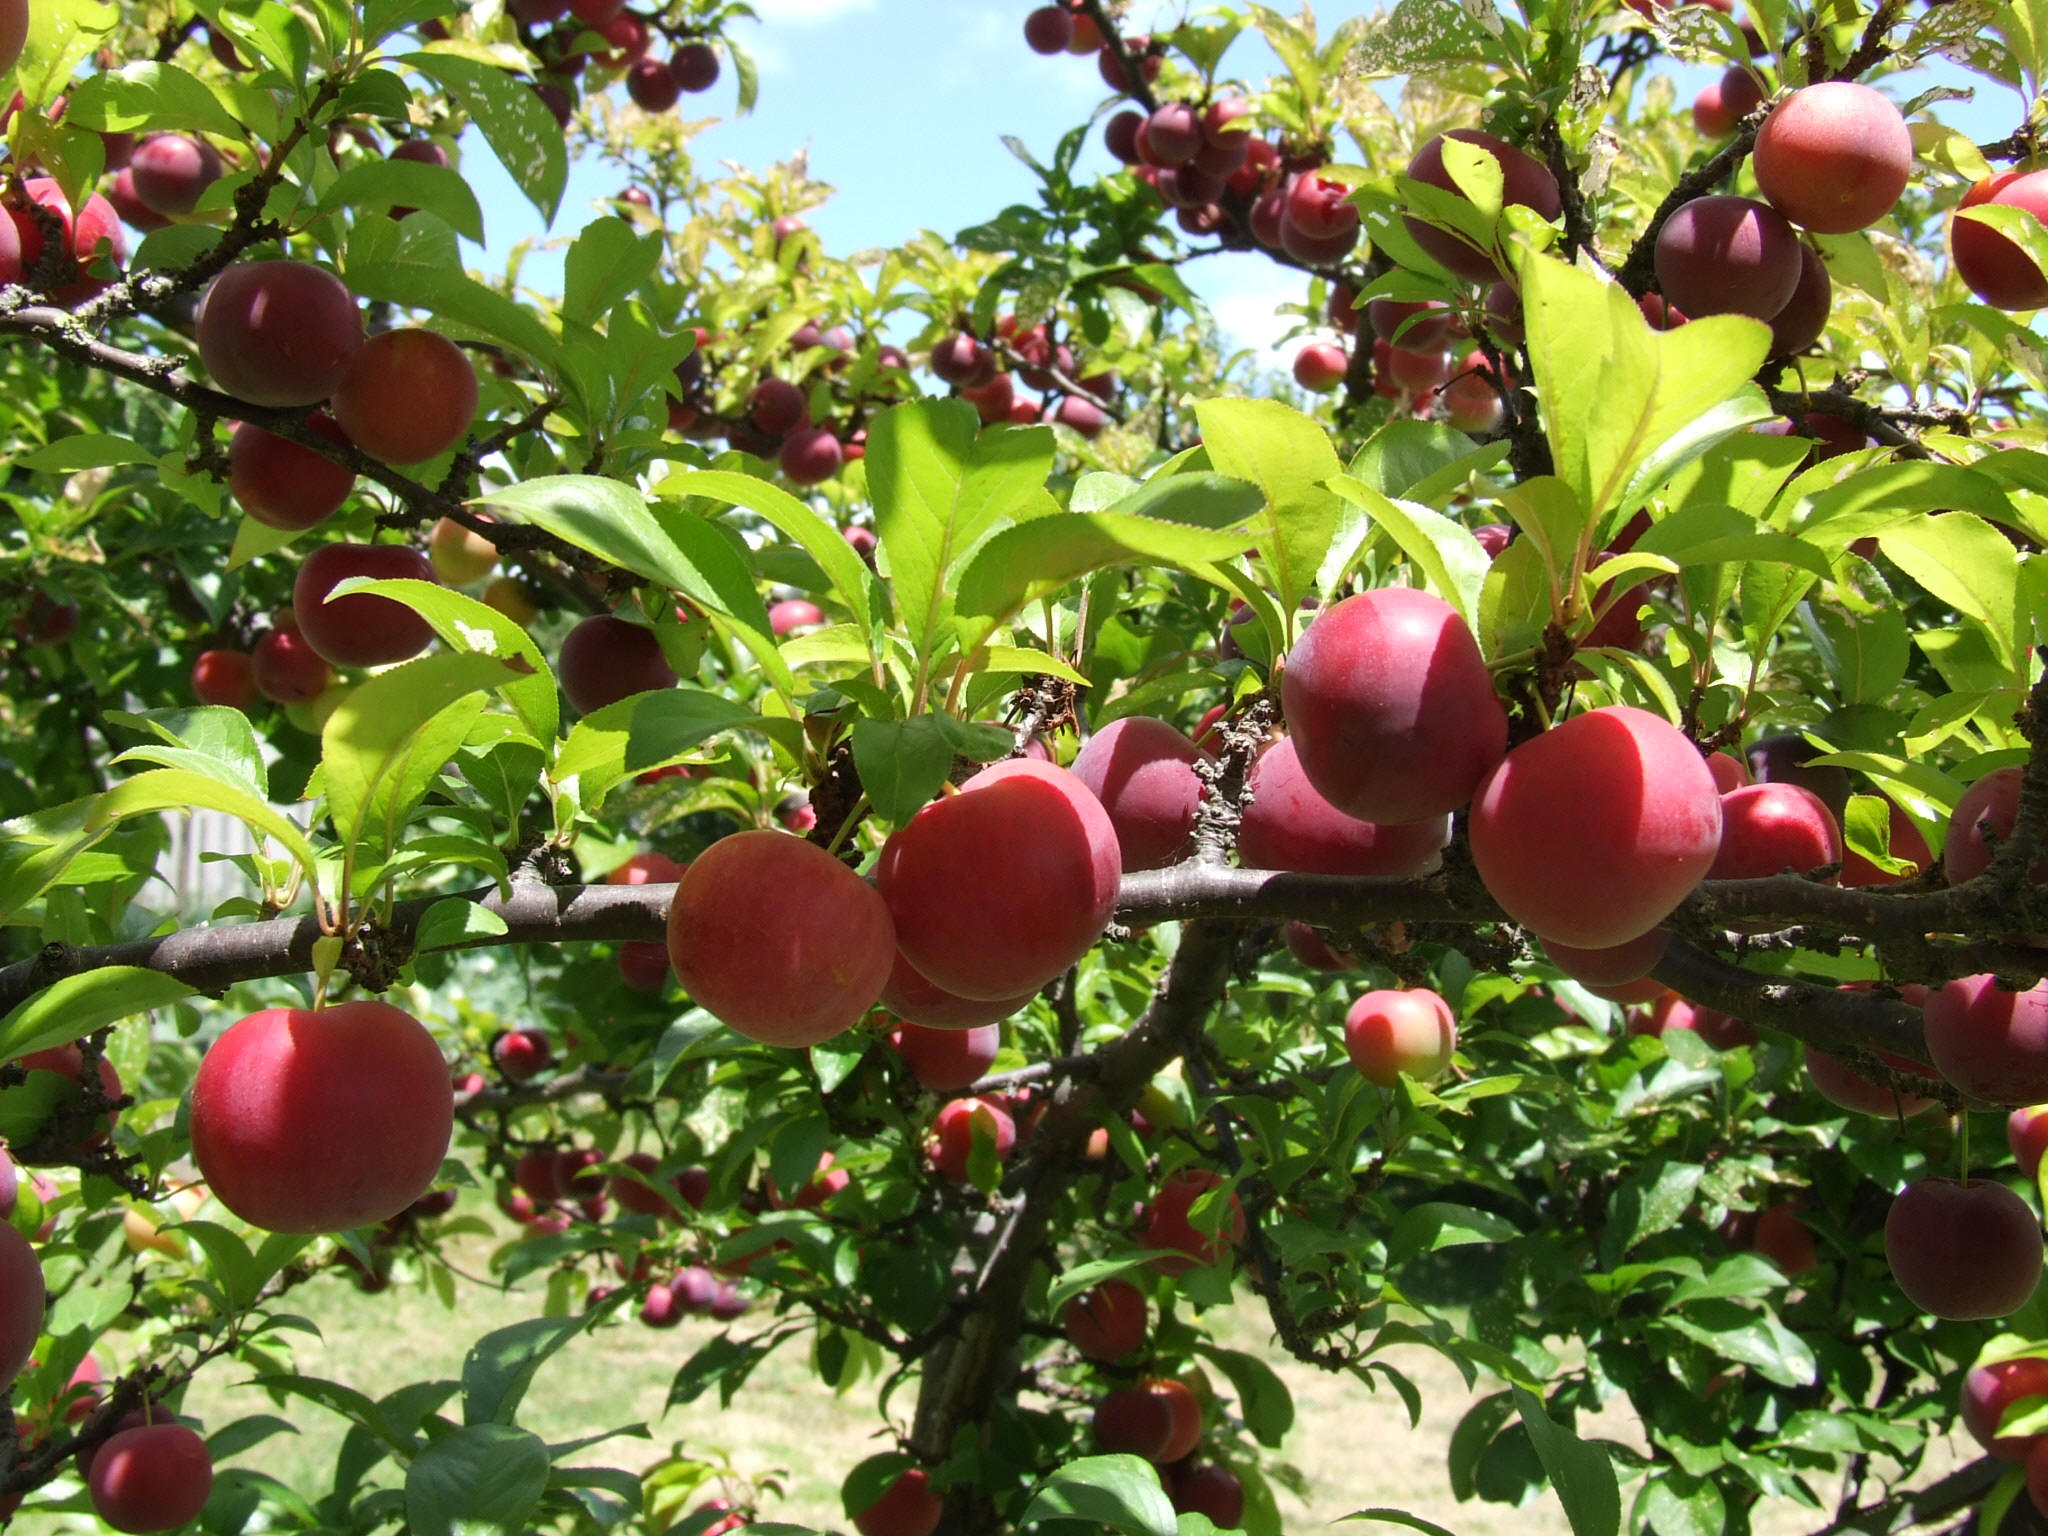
975,368
597,39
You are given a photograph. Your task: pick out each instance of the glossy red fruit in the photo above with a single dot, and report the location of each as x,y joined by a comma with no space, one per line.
278,332
1289,826
1725,255
1729,771
2026,1132
306,1121
811,456
1143,772
407,396
695,67
1991,1043
1389,1034
1022,852
605,659
908,1507
1049,29
1107,1321
1768,829
170,171
1781,1237
1391,709
284,485
1963,1251
792,614
1181,1246
957,1126
778,939
777,406
1526,182
653,86
21,1302
225,678
1991,1391
1209,1490
643,965
910,995
1842,1085
152,1478
1320,367
1805,316
1593,832
1834,157
1987,813
286,668
68,1061
1613,967
1133,1422
943,1060
522,1054
1995,269
13,32
361,629
1419,324
1723,103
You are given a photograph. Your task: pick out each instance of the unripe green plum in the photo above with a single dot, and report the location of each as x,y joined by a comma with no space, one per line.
1594,831
778,939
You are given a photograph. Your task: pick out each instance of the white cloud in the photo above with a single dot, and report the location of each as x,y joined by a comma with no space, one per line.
1244,292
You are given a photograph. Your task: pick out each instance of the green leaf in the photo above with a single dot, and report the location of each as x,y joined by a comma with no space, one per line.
85,450
210,739
177,789
1072,1282
1650,1198
521,131
475,628
1020,565
1263,1401
939,488
1757,1340
652,730
901,763
36,849
817,538
1449,558
724,1362
78,1005
1436,1224
482,1480
1704,533
1121,1492
388,740
452,923
1613,391
501,1365
417,266
1970,566
377,186
1677,1505
1289,457
608,261
1581,1473
680,552
1397,1517
161,97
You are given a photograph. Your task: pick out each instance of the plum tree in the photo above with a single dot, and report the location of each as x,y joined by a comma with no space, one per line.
1936,1222
316,1120
1592,832
1390,707
360,629
406,396
1023,851
778,939
278,332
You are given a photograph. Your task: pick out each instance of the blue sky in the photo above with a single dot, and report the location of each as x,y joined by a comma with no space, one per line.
901,105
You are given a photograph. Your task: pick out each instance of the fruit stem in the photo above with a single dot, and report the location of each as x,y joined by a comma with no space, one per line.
852,819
